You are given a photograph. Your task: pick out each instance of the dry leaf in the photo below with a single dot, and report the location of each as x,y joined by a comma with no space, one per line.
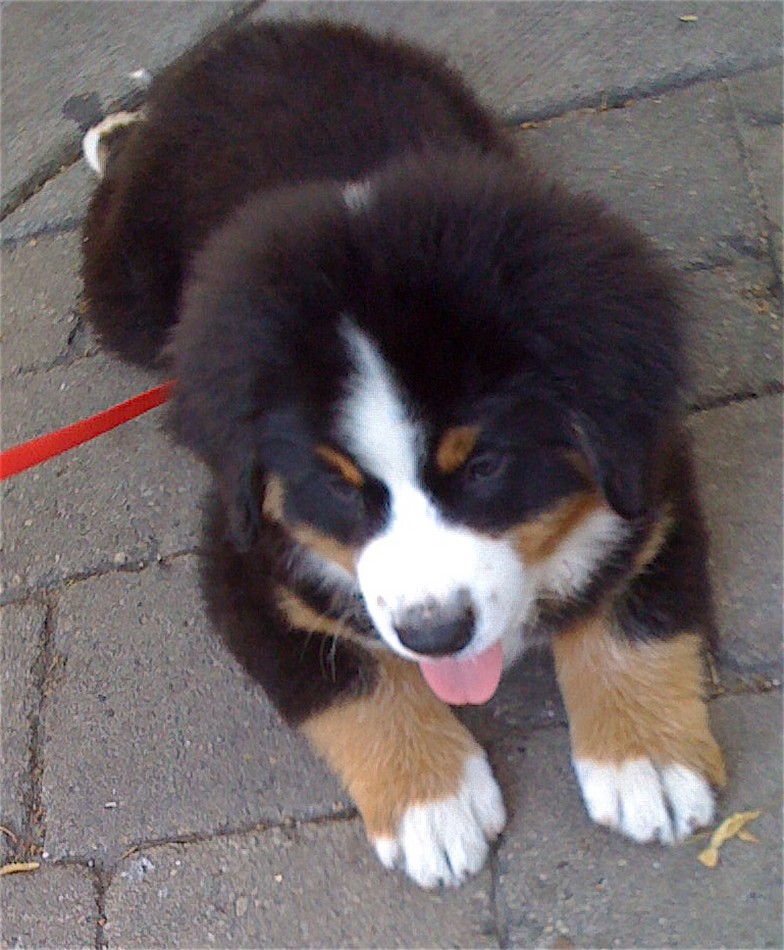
729,828
17,867
748,836
11,835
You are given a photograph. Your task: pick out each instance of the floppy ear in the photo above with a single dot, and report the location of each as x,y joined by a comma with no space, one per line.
240,483
621,455
225,443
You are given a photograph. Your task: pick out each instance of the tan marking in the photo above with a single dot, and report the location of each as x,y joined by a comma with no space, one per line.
636,700
327,547
396,747
272,507
455,446
302,616
538,539
342,464
579,463
654,542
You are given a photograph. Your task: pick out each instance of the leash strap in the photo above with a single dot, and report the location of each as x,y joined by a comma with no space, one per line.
24,456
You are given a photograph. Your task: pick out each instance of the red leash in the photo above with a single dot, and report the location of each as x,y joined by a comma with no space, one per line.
28,454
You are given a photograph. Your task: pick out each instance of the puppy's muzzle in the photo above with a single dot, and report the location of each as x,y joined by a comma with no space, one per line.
437,627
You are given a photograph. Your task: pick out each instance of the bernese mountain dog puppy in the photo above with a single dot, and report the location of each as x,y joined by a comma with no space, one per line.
440,396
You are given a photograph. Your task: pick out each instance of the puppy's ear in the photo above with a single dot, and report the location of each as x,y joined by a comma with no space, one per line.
240,483
202,423
621,455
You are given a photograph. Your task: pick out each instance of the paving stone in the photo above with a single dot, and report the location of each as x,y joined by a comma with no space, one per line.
757,99
672,164
59,206
531,59
310,886
739,458
50,907
564,882
64,63
20,645
41,287
733,331
153,731
123,498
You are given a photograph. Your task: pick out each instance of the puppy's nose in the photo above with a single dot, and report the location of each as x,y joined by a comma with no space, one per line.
437,627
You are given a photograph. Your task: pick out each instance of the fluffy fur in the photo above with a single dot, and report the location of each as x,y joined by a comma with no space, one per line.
439,395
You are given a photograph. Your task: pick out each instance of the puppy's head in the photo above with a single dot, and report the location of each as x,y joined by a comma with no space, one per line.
448,384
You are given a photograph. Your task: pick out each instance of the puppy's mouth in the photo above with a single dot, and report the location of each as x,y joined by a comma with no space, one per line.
460,681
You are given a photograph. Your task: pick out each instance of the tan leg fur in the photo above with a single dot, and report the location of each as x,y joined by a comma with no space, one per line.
628,701
396,747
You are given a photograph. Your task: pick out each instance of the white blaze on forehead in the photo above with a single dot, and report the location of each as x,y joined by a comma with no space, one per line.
418,556
377,426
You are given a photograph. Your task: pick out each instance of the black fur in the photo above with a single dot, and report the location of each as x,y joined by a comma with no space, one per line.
498,297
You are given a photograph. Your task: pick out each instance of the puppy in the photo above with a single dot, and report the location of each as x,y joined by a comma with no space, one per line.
439,396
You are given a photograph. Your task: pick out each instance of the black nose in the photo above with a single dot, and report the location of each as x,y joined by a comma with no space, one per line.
437,628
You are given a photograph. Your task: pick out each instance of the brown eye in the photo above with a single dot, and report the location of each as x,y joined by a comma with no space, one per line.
484,467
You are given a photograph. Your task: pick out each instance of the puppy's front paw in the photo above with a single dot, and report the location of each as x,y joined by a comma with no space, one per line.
443,842
644,802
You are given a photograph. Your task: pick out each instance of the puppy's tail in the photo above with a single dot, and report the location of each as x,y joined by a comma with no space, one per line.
101,141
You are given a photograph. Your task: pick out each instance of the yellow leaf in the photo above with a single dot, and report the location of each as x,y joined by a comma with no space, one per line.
16,867
709,857
729,828
748,836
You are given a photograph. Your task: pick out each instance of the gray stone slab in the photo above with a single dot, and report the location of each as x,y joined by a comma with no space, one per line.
21,641
757,99
125,497
41,288
733,331
739,461
154,732
532,59
50,907
672,164
58,206
310,886
564,882
63,63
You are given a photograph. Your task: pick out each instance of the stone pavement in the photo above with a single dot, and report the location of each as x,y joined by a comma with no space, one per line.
164,801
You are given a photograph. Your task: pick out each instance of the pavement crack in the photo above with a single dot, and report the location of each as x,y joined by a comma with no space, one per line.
500,929
134,565
101,883
772,388
34,830
343,813
620,97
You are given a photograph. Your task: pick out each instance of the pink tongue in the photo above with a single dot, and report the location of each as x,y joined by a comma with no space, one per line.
471,680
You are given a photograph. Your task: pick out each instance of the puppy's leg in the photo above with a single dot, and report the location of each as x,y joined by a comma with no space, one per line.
641,743
421,782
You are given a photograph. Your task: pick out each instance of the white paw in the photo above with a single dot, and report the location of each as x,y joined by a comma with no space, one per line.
444,842
643,802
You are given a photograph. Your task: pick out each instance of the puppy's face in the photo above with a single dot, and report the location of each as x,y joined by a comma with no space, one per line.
451,525
447,393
